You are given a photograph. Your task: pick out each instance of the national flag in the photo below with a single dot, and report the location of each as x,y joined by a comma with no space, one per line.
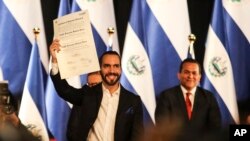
226,62
32,111
58,110
156,42
16,24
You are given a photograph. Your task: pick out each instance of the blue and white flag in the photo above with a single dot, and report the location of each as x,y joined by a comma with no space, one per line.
156,42
16,24
58,110
32,111
226,62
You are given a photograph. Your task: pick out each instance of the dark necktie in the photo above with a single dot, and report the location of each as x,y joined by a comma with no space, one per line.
188,105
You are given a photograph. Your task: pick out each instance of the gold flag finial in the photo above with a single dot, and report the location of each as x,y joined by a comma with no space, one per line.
36,31
111,32
191,38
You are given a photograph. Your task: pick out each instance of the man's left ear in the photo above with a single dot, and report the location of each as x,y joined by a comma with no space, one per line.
178,75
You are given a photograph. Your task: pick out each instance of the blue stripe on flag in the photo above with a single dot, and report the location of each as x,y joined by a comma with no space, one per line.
35,81
15,51
58,112
218,22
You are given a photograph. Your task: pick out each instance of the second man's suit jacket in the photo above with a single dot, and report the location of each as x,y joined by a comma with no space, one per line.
87,101
205,112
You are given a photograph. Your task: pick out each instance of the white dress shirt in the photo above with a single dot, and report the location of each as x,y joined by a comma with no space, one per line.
104,126
54,68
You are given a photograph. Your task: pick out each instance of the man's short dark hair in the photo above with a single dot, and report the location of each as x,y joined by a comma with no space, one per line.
189,60
109,53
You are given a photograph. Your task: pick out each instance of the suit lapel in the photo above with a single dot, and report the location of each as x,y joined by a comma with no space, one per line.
99,94
122,102
182,104
197,103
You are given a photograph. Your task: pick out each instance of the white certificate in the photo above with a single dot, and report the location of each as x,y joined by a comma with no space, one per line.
78,52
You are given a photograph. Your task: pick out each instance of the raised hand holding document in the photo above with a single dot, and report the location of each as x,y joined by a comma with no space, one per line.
78,52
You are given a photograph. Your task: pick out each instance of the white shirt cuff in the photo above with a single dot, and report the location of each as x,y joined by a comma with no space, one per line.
54,69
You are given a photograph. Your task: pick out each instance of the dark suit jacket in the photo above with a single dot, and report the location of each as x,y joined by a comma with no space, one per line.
205,113
87,101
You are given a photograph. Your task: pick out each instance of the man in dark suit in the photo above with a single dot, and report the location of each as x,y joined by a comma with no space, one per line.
106,111
198,110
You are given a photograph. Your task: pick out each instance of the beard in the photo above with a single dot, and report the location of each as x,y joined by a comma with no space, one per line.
111,82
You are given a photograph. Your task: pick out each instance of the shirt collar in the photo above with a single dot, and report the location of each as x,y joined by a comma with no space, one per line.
184,90
117,92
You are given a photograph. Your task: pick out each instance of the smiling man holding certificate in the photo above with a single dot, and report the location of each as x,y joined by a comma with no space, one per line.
77,52
106,111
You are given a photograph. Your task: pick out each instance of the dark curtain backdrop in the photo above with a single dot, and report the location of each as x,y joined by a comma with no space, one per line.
199,13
